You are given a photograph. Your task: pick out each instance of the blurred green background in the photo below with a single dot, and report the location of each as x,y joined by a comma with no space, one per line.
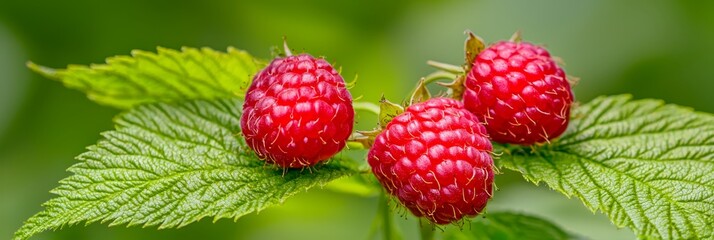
652,49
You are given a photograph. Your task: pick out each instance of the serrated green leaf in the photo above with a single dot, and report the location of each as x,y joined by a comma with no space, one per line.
507,226
647,165
166,76
169,165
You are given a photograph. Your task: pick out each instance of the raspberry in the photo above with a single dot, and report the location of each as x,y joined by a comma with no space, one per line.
436,159
519,92
297,112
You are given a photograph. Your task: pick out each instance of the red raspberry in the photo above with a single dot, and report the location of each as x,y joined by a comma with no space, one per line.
519,92
297,112
436,159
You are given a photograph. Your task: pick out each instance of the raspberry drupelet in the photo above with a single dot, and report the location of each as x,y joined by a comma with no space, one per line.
297,112
436,159
519,93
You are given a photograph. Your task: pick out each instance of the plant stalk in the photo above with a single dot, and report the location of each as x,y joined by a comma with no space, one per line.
386,216
366,106
426,230
439,75
446,67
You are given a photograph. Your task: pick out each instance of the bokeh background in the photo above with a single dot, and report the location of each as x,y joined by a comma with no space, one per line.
652,49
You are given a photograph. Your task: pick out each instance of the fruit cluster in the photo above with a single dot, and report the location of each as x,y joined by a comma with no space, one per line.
435,155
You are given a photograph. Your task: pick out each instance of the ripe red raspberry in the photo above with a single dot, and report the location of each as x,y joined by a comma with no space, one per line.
436,159
519,92
297,112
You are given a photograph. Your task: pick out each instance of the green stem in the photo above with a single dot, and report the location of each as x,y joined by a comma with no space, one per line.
366,106
426,230
353,145
386,216
446,67
438,75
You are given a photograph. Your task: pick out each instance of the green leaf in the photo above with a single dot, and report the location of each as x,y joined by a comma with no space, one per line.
507,226
169,165
166,76
647,165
